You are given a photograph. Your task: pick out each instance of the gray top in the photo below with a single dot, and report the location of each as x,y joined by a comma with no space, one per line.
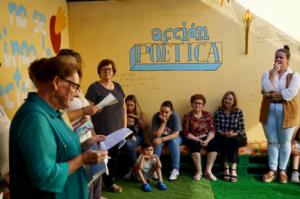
172,125
111,118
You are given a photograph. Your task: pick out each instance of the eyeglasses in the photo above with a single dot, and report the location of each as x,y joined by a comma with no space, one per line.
197,103
73,85
106,69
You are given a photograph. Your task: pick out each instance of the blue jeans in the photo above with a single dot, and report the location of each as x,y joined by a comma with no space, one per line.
174,148
279,139
130,146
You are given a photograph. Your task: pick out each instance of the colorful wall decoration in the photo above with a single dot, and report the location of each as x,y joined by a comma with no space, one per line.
28,30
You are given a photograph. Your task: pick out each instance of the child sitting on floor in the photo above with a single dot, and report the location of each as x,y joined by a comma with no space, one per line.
296,157
146,164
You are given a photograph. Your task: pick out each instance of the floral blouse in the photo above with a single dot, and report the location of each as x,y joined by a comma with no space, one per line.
199,127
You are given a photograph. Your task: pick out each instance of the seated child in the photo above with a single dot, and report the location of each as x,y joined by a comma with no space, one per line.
146,164
296,157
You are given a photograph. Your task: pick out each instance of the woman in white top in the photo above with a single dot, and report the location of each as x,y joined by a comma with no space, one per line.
280,86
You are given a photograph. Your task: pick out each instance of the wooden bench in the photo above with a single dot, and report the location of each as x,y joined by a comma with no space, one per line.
252,158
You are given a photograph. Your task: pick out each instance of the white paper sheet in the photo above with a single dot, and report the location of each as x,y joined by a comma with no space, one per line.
107,101
117,137
114,138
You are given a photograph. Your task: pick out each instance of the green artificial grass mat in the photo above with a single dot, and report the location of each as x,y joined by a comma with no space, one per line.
247,187
184,187
251,187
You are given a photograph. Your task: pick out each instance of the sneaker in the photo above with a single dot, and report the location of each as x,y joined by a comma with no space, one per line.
174,175
155,177
295,177
147,188
129,174
161,186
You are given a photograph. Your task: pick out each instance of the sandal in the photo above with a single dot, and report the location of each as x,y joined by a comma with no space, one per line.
233,178
283,178
270,176
226,174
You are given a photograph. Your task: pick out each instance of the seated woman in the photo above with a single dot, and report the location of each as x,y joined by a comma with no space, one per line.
230,133
198,127
166,127
137,123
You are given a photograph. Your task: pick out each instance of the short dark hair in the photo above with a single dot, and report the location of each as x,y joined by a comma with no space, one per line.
66,52
167,103
106,62
146,145
198,97
45,69
286,50
70,52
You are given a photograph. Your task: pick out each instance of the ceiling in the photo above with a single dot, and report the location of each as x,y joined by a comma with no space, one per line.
84,0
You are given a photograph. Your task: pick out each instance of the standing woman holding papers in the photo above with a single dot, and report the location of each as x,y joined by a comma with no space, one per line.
279,113
112,117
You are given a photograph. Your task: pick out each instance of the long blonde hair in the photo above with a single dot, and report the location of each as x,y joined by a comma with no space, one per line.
137,108
235,104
